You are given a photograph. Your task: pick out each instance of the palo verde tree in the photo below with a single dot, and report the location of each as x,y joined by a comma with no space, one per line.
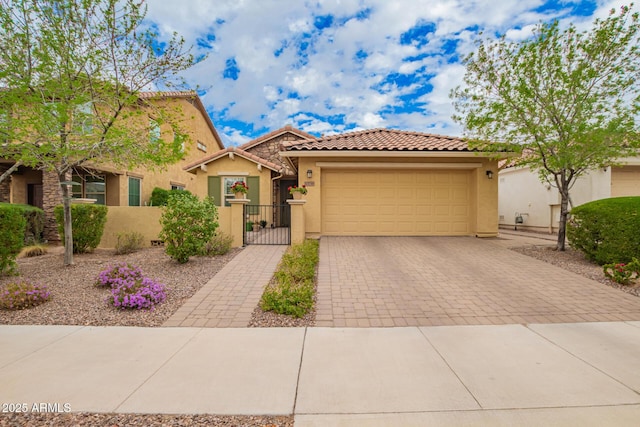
71,74
567,101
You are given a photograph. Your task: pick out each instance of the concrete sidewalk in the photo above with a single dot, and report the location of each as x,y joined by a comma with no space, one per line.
541,374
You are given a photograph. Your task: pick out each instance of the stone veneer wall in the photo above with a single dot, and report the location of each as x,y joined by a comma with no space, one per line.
270,151
51,197
5,186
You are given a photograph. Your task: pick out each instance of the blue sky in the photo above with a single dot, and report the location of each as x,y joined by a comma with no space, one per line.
333,66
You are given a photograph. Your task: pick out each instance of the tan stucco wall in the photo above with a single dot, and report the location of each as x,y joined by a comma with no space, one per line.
145,220
484,205
194,124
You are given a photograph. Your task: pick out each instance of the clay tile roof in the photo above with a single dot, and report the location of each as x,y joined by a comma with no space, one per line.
275,133
237,151
381,140
168,94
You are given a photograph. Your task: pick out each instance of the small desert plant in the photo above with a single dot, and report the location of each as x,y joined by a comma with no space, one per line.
118,274
220,244
129,242
622,273
21,295
33,251
142,293
187,225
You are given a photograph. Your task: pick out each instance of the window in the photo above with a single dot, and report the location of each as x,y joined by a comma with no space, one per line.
134,191
227,184
202,146
154,130
91,187
177,187
83,119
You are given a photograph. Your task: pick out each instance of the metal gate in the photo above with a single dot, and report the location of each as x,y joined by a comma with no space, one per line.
267,224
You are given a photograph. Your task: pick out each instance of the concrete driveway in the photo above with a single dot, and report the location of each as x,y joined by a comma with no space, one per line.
437,281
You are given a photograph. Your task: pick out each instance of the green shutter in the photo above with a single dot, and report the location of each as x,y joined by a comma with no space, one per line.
254,189
134,191
214,189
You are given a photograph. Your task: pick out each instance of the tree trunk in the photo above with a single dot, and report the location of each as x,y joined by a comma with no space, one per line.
564,212
68,232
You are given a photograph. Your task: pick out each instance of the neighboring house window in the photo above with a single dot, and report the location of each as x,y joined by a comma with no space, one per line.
154,130
92,187
134,191
83,120
202,146
177,187
227,184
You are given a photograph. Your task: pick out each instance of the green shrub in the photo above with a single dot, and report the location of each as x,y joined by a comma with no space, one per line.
17,296
12,225
129,242
35,222
187,225
606,231
160,196
32,251
292,287
219,244
87,224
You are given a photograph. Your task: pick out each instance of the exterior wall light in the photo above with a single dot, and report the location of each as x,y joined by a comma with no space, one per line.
489,174
309,173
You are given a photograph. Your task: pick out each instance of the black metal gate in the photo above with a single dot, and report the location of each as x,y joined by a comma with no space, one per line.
267,224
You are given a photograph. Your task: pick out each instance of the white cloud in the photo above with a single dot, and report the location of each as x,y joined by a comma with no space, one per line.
292,72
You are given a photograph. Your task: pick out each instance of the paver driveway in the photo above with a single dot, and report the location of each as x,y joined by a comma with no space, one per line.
432,281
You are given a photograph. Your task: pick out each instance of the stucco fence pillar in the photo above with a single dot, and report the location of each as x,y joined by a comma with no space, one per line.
237,221
298,230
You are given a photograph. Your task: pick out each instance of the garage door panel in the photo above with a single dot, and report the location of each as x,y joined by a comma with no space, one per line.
396,202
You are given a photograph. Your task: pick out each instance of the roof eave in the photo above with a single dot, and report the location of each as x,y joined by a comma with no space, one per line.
393,153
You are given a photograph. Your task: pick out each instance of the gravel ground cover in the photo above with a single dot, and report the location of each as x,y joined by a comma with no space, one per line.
575,262
124,420
76,300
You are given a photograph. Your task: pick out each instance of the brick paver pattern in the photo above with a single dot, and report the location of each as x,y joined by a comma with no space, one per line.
229,298
434,281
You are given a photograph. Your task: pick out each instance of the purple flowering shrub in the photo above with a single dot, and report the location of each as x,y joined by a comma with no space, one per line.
119,274
17,296
143,293
130,288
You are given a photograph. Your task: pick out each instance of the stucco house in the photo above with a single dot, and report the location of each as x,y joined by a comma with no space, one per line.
536,205
373,182
113,186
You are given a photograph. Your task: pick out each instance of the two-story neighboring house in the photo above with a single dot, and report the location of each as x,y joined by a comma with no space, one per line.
113,186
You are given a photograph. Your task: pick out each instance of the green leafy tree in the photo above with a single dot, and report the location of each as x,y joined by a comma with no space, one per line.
567,101
188,224
71,74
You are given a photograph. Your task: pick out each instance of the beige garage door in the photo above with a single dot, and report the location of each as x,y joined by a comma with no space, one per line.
396,203
625,181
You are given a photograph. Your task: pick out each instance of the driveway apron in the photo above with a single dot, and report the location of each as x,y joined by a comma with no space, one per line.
437,281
